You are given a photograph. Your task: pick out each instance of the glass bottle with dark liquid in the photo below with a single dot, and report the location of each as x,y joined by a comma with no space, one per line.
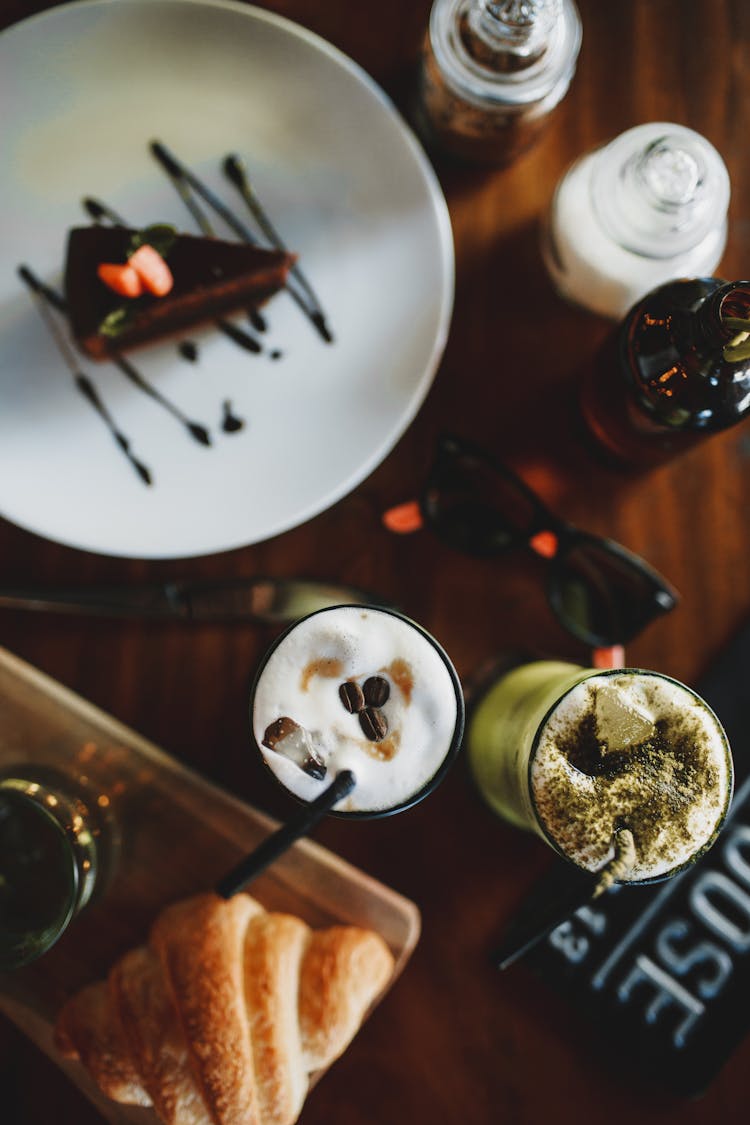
675,371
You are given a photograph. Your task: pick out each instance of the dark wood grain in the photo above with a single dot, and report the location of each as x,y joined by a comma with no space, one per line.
455,1041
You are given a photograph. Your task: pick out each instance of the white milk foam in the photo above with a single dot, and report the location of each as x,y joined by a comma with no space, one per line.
301,680
636,750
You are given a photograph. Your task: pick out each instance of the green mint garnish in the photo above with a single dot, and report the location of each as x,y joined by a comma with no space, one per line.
159,235
115,322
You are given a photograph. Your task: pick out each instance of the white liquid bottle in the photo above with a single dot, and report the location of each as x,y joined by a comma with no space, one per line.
648,207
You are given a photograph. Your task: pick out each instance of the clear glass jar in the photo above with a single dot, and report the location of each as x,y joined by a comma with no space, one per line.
647,207
491,74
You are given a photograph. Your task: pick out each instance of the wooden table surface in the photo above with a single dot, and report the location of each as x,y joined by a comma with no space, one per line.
455,1041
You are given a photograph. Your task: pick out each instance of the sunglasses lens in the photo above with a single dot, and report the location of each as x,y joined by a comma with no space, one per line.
605,598
475,508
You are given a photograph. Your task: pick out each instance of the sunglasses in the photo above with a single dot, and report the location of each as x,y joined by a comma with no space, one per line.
602,593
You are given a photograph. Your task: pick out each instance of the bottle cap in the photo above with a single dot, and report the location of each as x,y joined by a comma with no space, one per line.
659,189
528,50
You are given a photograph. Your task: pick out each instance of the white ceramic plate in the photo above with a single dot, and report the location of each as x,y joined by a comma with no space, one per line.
84,88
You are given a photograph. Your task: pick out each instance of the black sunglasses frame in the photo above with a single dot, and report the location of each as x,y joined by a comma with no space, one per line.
662,597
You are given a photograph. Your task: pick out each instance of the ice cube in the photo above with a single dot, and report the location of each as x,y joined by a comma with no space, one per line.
620,721
286,737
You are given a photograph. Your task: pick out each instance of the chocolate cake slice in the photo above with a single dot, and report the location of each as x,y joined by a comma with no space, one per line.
211,277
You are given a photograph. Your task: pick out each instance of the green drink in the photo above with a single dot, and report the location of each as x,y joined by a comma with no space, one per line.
49,862
575,755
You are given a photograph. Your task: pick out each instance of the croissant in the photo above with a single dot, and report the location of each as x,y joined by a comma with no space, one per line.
223,1016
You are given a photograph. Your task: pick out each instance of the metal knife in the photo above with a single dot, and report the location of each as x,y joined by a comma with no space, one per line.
262,600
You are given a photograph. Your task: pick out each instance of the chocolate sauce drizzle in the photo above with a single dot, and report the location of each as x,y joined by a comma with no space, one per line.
99,211
188,349
236,173
41,293
37,286
184,180
195,429
239,336
46,293
89,392
231,423
186,183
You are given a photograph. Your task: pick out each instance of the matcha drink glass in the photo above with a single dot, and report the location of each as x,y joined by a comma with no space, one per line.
577,755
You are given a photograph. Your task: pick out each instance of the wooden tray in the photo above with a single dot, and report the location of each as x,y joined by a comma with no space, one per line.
178,834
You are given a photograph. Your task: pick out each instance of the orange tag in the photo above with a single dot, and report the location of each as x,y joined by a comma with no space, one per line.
404,518
544,543
605,659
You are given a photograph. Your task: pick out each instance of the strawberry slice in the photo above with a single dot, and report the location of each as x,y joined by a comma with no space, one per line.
120,277
153,271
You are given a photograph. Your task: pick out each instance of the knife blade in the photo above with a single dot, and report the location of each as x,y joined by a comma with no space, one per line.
262,600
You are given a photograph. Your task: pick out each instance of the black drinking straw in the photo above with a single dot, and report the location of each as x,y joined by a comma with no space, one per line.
582,887
278,842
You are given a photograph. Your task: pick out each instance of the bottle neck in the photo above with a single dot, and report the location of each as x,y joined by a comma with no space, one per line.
659,190
509,54
509,35
722,322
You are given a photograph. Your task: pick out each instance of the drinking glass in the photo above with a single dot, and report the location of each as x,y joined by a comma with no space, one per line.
362,689
576,755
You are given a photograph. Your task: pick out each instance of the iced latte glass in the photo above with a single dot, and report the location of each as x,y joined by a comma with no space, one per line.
362,689
576,755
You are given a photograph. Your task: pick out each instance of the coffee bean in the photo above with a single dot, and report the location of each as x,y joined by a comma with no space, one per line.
374,724
376,691
351,696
